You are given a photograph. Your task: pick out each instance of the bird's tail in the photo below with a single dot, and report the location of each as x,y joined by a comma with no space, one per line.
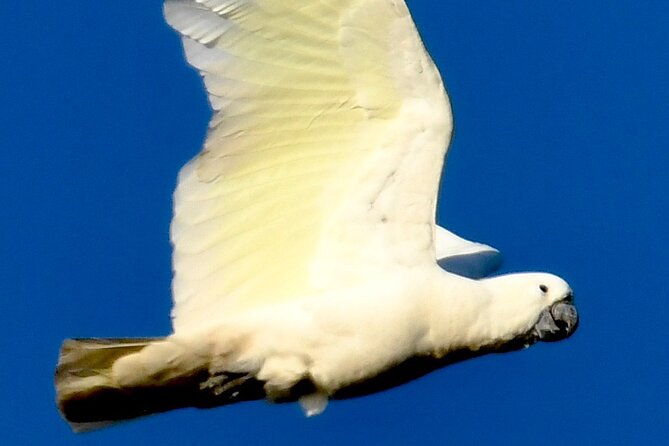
89,397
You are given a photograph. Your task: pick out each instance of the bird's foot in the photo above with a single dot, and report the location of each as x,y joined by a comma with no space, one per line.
313,404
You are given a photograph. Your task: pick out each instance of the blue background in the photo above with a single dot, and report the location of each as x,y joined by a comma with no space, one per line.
560,160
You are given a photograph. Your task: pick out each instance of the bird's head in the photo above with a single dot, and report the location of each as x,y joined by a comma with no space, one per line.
533,306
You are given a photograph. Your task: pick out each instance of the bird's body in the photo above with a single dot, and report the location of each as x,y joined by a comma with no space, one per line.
306,256
316,338
334,339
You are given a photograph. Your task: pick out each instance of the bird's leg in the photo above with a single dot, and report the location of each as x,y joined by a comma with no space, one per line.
281,374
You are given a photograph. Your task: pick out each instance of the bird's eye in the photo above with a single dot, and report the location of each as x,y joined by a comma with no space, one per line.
543,288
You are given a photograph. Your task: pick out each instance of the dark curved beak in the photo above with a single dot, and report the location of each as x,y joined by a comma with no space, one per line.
557,322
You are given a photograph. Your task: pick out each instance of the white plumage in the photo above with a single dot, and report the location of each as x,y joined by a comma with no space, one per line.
305,244
322,164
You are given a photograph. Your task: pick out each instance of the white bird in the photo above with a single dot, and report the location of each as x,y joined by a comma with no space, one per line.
305,243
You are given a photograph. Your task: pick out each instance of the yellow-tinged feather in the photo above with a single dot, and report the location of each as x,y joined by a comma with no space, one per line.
327,144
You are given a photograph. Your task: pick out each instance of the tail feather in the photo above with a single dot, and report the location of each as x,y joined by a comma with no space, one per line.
89,397
84,379
87,357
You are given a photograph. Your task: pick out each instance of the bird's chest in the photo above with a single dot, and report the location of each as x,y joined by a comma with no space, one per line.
335,340
348,341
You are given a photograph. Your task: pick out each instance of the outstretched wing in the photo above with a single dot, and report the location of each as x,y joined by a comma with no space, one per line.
323,156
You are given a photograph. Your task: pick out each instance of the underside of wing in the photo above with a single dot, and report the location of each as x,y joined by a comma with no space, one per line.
323,156
464,258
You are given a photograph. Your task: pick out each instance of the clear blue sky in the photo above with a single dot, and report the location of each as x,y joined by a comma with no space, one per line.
560,159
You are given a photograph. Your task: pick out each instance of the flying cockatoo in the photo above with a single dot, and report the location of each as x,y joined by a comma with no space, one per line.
307,262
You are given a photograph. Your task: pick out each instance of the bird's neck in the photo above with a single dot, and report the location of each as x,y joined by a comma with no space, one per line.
468,314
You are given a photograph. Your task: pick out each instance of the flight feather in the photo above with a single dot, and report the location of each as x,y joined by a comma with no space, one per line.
330,124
